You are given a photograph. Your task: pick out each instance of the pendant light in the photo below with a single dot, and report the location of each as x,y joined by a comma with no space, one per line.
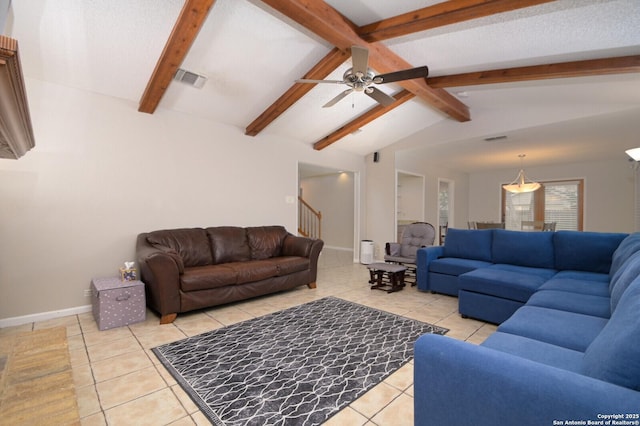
521,184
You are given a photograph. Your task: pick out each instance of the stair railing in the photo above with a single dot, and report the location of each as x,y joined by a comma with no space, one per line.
309,220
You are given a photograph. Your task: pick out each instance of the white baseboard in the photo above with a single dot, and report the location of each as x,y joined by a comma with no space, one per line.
339,248
43,316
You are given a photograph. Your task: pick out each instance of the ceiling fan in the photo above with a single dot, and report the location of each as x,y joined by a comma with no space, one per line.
360,78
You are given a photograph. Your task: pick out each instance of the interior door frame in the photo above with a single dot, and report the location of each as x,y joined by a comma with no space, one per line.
451,183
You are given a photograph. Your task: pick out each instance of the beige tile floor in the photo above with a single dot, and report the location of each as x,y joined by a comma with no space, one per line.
120,382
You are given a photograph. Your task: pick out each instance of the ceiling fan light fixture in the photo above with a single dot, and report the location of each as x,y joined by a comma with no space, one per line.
360,78
521,184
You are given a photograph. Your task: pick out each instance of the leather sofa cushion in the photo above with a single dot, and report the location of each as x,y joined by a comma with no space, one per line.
468,244
191,244
229,244
253,270
585,251
289,264
207,277
534,249
266,241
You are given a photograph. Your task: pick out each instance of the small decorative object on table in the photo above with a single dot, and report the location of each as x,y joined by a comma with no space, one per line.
395,279
117,303
128,273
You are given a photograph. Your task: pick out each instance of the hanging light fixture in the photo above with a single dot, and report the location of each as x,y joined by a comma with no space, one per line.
521,184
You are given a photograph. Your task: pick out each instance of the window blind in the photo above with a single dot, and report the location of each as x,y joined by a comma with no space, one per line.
556,201
561,204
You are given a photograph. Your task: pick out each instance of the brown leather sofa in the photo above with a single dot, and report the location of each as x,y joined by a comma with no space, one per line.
195,268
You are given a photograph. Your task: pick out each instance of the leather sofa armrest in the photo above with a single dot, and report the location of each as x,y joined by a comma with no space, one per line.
306,247
160,271
297,246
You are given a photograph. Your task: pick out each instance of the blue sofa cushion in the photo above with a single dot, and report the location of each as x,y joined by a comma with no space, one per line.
535,350
614,356
501,283
544,273
585,251
583,275
533,249
560,328
595,288
623,278
456,266
468,244
627,247
598,306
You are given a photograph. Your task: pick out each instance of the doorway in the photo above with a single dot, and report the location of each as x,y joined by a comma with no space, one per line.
335,194
445,207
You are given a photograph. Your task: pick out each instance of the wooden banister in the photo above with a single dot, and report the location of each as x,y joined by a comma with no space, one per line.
309,220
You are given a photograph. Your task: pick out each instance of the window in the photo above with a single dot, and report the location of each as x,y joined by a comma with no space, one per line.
555,201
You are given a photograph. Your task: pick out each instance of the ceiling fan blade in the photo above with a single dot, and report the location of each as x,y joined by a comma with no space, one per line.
419,72
381,97
360,59
306,80
335,100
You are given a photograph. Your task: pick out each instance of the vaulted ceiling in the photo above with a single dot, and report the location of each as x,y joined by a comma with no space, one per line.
496,66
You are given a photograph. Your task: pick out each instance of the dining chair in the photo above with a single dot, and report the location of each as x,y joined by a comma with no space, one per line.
490,225
532,225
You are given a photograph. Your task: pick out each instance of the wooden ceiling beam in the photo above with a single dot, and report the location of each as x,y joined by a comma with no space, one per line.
321,19
419,20
185,30
322,69
324,21
438,15
604,66
362,120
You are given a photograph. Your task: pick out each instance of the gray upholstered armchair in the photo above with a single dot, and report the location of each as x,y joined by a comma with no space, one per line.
414,236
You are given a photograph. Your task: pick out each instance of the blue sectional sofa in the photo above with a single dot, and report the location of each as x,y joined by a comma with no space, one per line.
495,271
567,350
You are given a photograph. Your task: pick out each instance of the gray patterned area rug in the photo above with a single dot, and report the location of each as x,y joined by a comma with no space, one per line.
298,366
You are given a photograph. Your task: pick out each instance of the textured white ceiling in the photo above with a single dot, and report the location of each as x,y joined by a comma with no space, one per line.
251,55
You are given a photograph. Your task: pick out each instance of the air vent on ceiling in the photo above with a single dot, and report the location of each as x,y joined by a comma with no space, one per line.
495,138
190,78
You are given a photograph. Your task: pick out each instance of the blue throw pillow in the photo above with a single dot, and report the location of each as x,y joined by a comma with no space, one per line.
533,249
468,244
614,355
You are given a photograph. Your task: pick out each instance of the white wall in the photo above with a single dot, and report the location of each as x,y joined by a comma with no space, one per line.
380,190
333,195
609,192
409,197
101,173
